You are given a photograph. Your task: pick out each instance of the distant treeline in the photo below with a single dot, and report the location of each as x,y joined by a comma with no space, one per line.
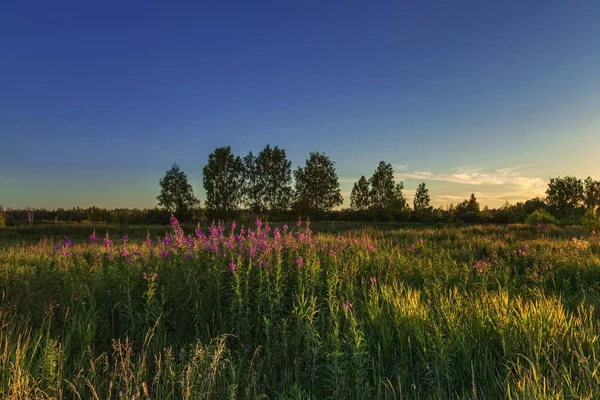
265,186
536,210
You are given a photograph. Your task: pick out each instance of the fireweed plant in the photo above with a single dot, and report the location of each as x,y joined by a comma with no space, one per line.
280,312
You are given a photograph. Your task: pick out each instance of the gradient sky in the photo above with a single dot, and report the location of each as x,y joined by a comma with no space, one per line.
98,99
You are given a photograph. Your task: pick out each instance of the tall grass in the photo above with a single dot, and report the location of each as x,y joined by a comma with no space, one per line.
475,312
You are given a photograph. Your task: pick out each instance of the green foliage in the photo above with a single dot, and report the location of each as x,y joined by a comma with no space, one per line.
383,187
360,197
267,180
386,196
468,210
541,216
565,197
317,185
2,222
176,194
474,312
591,220
399,205
422,202
591,199
223,182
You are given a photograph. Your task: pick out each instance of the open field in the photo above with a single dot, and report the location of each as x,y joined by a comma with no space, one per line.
482,312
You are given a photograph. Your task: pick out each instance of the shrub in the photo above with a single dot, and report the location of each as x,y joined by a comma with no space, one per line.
591,220
2,222
541,216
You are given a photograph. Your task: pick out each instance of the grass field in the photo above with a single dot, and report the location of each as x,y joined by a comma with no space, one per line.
479,312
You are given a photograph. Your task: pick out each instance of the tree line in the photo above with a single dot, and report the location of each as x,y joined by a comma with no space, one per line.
265,185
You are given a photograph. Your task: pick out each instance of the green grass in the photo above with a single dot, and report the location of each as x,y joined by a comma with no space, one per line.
479,312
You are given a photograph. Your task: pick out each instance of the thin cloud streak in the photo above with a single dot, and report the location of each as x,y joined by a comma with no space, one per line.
504,184
517,187
478,176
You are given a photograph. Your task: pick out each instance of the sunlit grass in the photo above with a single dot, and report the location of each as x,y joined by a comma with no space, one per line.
475,312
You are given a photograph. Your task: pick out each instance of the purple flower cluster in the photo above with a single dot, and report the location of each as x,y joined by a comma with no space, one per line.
263,245
520,252
482,266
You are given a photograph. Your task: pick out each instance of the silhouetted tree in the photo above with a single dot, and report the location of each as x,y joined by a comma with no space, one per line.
592,194
421,202
383,187
399,204
317,185
222,181
267,180
565,196
176,194
360,197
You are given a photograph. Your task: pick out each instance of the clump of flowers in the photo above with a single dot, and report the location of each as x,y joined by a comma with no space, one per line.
93,237
151,276
299,261
107,241
520,252
482,266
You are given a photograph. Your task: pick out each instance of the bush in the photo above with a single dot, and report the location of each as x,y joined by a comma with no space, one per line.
541,216
2,222
471,217
591,220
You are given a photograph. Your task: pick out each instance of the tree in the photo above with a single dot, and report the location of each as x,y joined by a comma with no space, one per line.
360,197
176,194
565,196
421,202
383,187
222,181
472,204
592,194
399,204
469,210
267,180
317,185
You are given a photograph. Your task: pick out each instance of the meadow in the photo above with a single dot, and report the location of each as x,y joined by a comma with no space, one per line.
282,312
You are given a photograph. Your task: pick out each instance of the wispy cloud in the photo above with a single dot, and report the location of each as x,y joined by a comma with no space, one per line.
478,176
505,184
494,186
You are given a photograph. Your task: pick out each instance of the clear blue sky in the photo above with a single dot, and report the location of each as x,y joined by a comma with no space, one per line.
98,99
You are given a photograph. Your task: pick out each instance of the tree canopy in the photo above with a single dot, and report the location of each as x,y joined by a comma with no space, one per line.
565,196
317,185
360,197
267,180
222,180
421,202
176,194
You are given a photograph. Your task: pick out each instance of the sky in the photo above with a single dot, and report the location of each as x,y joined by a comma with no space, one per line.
99,99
